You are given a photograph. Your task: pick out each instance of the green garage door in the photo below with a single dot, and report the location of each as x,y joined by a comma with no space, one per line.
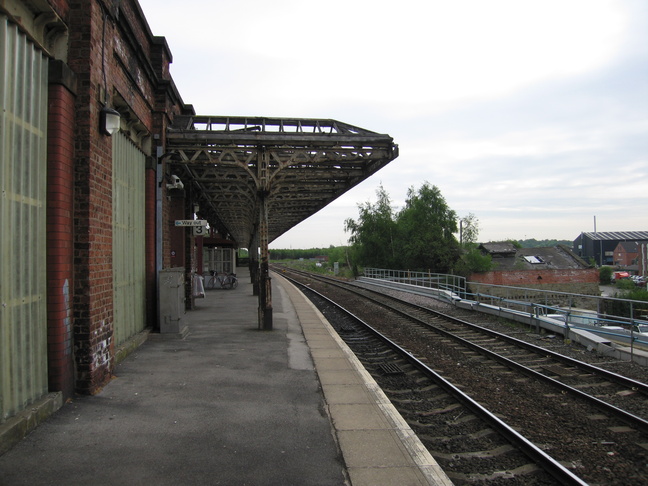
23,177
128,239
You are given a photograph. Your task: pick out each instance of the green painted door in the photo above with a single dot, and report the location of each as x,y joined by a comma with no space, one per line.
129,302
23,177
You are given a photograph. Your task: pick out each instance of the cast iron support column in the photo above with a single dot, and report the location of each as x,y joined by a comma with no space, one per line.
254,262
265,290
265,295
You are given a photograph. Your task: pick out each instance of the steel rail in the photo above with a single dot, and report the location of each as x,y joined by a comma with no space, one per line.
627,417
610,375
548,463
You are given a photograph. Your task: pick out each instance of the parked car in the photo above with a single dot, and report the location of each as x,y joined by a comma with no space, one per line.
619,275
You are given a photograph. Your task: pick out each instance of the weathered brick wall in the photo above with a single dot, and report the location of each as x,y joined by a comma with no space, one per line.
93,312
117,62
60,207
61,7
576,281
523,278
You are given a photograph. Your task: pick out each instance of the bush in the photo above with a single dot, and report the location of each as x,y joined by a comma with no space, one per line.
625,284
473,261
622,308
605,275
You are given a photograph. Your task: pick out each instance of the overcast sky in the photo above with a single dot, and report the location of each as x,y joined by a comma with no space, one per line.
532,115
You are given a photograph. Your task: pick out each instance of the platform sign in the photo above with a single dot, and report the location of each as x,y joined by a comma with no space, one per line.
200,231
191,222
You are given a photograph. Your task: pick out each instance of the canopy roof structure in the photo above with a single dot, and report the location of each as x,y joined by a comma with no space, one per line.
246,173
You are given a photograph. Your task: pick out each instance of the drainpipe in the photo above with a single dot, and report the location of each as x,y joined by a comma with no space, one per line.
158,225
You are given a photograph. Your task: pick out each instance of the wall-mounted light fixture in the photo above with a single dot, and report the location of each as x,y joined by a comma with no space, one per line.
176,183
109,120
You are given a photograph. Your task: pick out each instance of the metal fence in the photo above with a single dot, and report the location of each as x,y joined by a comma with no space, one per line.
519,298
573,309
441,281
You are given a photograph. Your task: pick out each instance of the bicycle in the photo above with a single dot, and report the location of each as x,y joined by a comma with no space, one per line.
216,281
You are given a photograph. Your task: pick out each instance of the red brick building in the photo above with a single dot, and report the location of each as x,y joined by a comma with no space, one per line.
632,256
82,205
93,208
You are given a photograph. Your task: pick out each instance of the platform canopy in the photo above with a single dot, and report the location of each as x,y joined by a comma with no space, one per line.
250,171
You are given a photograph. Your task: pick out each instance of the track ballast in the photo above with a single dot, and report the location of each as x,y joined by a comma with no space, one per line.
597,445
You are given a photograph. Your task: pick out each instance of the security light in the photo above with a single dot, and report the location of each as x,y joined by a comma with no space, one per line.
109,120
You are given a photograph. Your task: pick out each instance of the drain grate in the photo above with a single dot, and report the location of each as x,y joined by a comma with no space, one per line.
391,369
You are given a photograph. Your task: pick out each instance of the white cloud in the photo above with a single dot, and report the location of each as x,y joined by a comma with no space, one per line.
510,107
408,57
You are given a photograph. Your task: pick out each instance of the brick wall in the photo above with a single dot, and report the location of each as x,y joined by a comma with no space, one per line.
116,62
60,206
624,258
61,8
110,70
92,202
523,278
578,281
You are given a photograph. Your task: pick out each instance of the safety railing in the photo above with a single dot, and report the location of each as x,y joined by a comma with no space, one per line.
615,308
429,280
568,310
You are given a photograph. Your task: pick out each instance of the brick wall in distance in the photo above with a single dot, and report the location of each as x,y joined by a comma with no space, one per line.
577,281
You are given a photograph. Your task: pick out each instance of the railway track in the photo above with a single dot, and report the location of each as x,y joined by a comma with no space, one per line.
593,422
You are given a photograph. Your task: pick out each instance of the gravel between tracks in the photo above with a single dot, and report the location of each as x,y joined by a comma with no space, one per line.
524,333
569,433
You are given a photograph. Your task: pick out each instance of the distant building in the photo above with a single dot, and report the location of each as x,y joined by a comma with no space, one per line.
553,268
625,254
600,246
632,257
500,251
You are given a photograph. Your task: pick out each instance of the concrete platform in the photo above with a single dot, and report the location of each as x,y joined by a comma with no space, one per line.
230,405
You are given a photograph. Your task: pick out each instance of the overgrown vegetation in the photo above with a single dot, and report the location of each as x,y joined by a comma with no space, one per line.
625,289
628,291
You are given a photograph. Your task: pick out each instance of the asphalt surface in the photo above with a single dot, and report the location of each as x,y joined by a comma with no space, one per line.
227,405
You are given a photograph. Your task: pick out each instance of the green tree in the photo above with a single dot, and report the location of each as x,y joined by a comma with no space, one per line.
374,234
426,226
605,274
472,259
468,229
533,243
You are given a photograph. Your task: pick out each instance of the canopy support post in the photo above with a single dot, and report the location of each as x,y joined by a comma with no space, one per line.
265,283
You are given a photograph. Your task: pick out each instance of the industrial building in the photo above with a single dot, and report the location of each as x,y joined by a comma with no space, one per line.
599,247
